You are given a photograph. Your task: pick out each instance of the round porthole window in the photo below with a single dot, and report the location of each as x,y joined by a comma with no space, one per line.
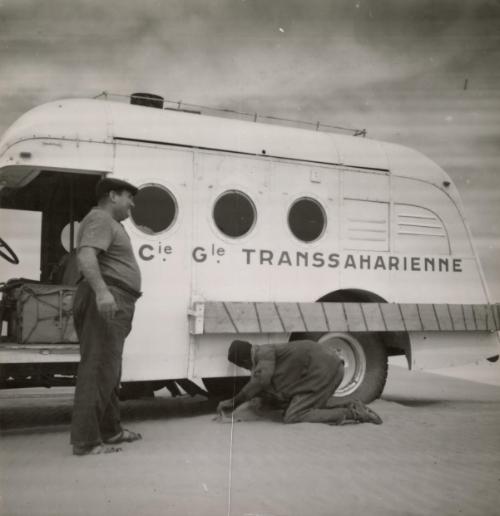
234,213
155,209
66,235
306,219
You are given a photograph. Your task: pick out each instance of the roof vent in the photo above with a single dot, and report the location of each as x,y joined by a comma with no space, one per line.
147,99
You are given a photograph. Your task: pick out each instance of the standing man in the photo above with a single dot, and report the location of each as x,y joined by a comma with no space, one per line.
300,376
103,310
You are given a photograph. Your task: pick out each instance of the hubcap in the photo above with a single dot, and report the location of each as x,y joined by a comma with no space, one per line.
353,355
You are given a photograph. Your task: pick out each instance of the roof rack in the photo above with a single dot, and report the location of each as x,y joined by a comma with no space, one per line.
179,105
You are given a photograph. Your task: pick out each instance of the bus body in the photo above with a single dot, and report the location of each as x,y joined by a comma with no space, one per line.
240,213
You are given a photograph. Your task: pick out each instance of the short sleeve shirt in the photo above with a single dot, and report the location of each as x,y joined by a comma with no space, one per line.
116,257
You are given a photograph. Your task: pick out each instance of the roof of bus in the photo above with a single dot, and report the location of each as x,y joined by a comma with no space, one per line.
106,121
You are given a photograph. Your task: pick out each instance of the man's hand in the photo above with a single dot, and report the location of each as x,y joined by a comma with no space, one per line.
225,406
106,304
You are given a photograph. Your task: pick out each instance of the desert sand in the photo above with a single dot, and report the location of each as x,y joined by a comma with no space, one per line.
437,453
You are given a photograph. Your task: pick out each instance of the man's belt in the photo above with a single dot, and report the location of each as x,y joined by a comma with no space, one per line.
113,282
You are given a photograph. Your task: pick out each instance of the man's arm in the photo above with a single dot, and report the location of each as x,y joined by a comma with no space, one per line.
262,374
259,381
89,266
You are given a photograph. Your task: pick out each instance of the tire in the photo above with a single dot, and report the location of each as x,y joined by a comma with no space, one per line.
225,387
365,362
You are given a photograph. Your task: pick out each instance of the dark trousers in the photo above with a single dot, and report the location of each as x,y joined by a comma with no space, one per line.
314,405
96,411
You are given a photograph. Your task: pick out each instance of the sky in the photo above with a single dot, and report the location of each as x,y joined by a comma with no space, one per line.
424,73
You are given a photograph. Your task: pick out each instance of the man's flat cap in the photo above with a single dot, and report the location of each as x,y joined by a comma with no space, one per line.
104,186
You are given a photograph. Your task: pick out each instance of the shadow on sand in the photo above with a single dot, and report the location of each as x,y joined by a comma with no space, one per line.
32,414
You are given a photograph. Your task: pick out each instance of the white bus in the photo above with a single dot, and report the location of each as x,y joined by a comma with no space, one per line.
266,232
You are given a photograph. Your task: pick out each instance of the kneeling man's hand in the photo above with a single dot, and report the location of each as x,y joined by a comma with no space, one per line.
225,406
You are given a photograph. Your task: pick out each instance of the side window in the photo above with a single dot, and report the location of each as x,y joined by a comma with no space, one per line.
155,209
306,219
420,230
234,213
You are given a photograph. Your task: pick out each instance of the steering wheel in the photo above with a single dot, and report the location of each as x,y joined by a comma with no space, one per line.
7,253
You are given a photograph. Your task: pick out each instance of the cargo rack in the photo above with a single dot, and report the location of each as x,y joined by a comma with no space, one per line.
179,105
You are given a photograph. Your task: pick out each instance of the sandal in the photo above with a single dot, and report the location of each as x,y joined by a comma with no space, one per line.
125,436
94,450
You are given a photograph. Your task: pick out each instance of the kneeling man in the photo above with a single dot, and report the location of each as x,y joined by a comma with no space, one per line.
300,377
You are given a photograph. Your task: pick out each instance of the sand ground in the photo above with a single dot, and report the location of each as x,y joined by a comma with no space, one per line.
437,453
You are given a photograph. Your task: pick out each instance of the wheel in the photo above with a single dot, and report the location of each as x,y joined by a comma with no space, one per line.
225,387
365,363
